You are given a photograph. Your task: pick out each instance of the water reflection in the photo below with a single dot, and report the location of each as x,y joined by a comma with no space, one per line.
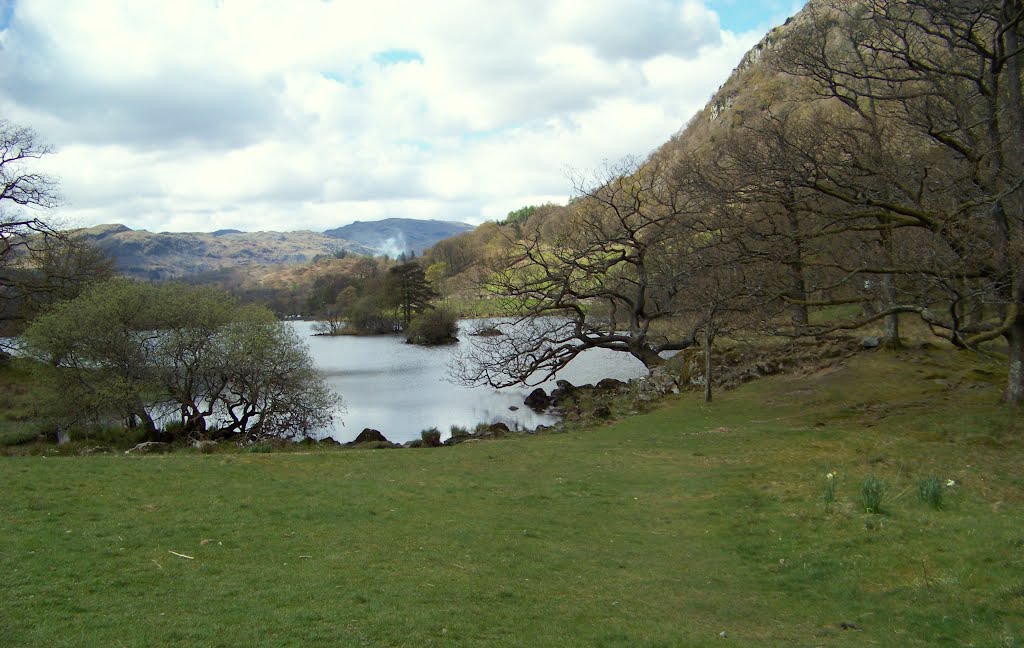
402,389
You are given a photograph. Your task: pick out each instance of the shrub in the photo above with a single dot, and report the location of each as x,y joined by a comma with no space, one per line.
174,429
433,327
431,438
17,433
871,494
459,432
929,491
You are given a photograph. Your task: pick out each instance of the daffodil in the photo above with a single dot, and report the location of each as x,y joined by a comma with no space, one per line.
950,482
830,476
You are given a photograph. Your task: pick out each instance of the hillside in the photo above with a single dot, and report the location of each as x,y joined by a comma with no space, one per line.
393,236
172,255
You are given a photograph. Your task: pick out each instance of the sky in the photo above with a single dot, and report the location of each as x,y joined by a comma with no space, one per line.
198,115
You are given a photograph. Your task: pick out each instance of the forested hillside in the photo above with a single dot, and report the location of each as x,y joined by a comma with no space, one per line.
862,165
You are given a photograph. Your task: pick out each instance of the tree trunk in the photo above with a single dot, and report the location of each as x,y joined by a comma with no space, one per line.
798,291
148,425
891,339
1014,394
797,282
708,340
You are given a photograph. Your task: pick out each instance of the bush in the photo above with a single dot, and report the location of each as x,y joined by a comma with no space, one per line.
433,327
459,432
14,434
431,438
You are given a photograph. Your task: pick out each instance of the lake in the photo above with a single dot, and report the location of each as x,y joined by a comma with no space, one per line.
402,389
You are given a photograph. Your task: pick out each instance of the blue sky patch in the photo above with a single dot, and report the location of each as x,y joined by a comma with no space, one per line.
745,15
352,82
419,144
6,13
395,56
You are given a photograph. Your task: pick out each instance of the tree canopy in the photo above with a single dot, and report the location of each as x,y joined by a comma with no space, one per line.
151,356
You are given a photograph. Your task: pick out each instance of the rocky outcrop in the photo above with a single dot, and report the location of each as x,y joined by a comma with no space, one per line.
95,450
370,438
150,447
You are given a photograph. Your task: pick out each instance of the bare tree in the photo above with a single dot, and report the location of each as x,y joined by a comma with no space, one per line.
38,263
943,79
605,278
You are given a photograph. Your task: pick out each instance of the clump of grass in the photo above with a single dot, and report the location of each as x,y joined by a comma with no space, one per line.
261,447
431,437
871,494
829,494
929,491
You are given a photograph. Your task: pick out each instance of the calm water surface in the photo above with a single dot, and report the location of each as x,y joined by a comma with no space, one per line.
402,389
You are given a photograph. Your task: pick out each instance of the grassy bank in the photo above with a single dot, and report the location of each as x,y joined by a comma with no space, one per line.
663,530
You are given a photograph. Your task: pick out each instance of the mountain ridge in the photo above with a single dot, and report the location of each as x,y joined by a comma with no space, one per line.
160,256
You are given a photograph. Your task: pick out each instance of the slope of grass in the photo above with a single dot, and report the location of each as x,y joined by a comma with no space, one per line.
665,529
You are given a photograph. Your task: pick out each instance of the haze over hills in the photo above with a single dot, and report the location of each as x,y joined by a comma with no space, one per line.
172,255
392,236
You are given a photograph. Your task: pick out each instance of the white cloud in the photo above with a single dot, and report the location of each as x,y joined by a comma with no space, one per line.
201,115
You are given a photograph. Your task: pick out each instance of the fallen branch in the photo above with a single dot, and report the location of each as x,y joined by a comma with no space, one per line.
180,555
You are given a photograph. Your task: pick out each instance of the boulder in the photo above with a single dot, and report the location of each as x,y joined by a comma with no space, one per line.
494,430
538,400
204,445
369,435
870,342
150,447
487,332
563,389
660,382
603,412
610,384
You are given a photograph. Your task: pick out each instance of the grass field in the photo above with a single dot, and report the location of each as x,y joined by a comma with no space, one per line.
665,529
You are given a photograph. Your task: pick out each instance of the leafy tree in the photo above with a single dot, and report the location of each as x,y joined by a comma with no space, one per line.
406,288
140,354
519,216
271,386
369,315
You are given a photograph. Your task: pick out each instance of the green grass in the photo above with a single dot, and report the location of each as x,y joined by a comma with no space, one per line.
18,406
664,529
